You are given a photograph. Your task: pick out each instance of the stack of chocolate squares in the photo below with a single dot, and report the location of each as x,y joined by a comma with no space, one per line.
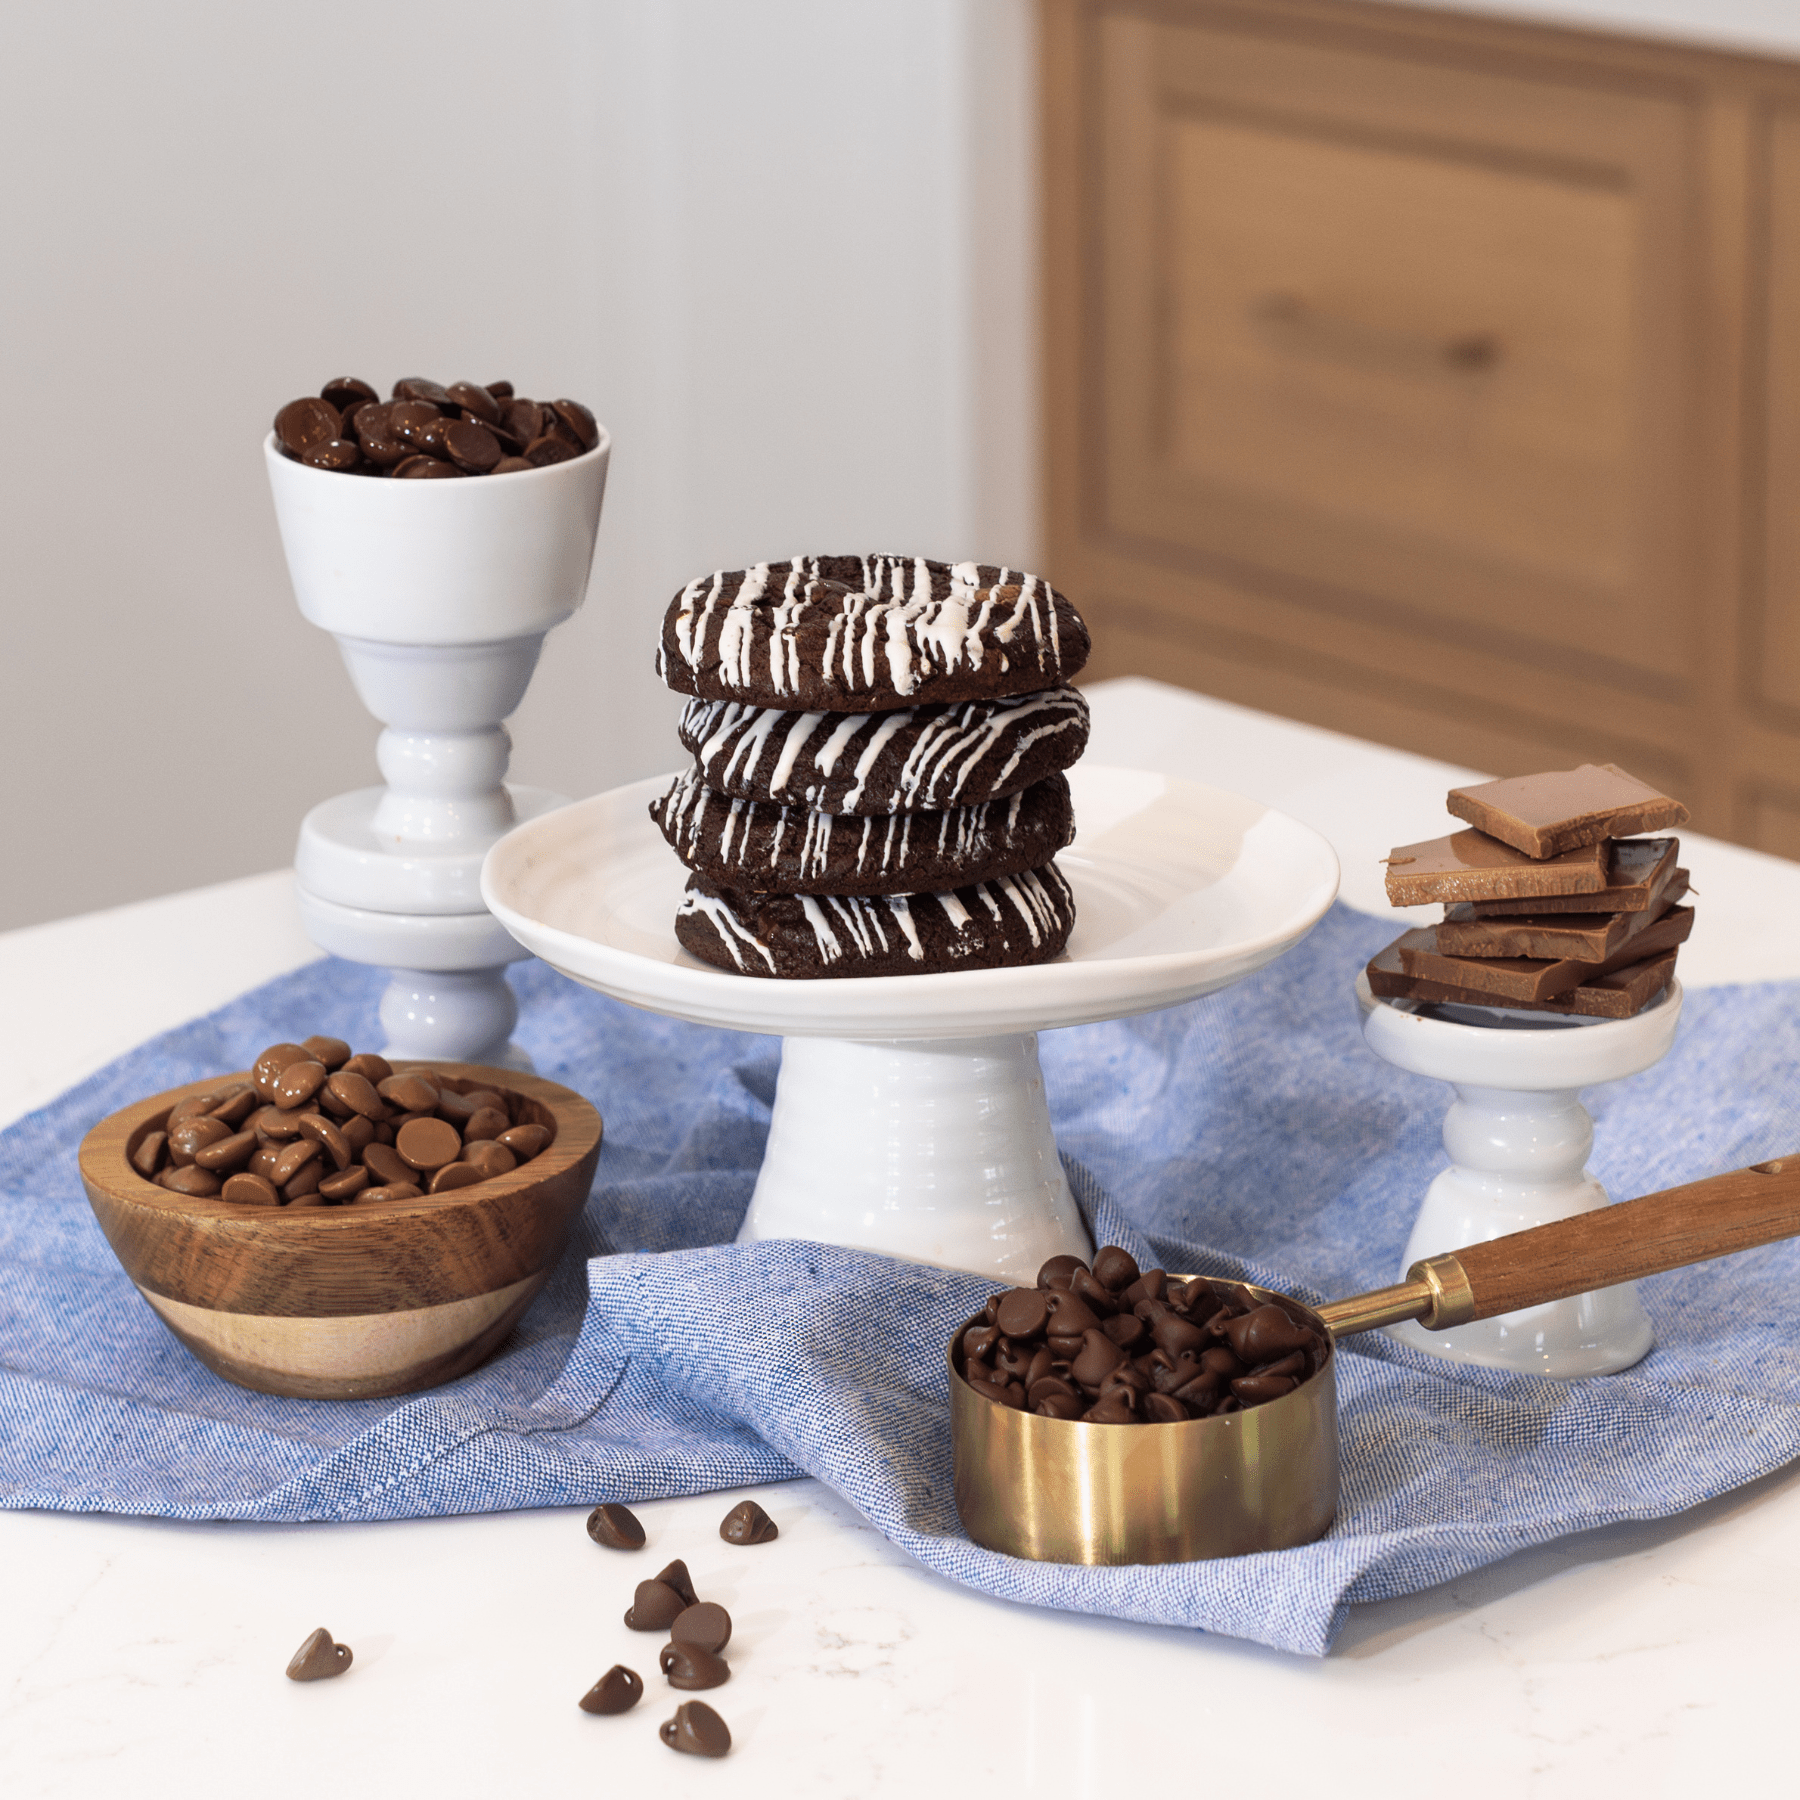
1549,904
877,783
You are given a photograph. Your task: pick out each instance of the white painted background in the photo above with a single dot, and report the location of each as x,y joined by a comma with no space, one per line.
782,247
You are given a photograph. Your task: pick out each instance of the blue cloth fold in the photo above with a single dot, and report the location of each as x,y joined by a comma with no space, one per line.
1251,1134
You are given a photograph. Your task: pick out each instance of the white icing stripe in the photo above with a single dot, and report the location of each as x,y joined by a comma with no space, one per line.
940,752
895,622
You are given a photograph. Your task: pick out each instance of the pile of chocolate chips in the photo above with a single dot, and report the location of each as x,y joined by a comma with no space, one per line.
429,432
1118,1346
317,1126
698,1629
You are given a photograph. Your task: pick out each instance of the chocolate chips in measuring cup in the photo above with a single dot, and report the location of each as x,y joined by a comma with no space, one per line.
317,1126
428,432
1115,1345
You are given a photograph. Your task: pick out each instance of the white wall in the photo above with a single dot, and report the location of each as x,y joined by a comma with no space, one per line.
783,247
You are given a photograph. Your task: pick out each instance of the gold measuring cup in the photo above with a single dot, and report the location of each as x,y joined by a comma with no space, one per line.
1062,1490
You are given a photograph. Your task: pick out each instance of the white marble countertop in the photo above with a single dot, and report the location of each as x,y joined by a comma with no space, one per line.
145,1659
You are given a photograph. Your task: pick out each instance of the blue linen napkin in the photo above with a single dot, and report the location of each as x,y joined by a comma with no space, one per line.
1251,1134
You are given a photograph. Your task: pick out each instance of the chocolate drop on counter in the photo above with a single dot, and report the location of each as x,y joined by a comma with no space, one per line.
616,1527
676,1576
318,1659
747,1523
696,1730
706,1624
617,1691
688,1666
655,1606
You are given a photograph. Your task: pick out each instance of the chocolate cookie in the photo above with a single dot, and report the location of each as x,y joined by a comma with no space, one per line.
915,759
868,633
765,848
988,925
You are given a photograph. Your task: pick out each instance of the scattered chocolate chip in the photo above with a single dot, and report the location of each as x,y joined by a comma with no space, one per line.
696,1730
616,1527
676,1576
318,1659
705,1625
747,1523
688,1666
617,1691
655,1606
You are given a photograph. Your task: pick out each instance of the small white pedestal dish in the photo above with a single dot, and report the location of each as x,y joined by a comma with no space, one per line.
1518,1138
910,1115
439,594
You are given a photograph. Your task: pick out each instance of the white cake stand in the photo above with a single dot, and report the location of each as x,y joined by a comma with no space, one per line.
910,1115
1518,1138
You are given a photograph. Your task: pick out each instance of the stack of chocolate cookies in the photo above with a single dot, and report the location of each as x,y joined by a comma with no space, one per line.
877,784
1549,904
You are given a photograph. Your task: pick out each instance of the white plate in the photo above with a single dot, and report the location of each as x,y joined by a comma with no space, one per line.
1180,890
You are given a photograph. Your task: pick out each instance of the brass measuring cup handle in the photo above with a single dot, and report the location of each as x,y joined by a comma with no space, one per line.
1669,1230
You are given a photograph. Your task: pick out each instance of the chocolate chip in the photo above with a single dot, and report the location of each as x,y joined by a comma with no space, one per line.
1164,1409
1117,1406
1099,1357
335,453
189,1136
369,1066
696,1730
655,1606
195,1183
228,1154
542,452
346,393
424,468
1022,1312
411,1093
513,465
345,1185
525,1141
747,1523
318,1659
266,1070
676,1576
578,420
417,388
298,1082
689,1666
617,1691
357,1092
332,1052
147,1157
303,1189
250,1190
705,1624
1115,1269
475,400
457,1175
1253,1390
471,446
302,423
394,1190
501,390
1097,1299
489,1159
1059,1271
427,1144
616,1527
1265,1333
237,1105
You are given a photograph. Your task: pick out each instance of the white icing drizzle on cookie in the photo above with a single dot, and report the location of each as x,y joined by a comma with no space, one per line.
732,739
750,833
889,633
731,930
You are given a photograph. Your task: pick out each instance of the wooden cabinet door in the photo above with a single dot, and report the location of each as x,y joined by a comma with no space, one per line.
1394,375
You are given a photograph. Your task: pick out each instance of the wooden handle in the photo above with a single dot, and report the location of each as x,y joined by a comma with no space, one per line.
1692,1224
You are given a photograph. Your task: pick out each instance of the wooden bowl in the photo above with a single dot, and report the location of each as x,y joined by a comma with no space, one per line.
347,1302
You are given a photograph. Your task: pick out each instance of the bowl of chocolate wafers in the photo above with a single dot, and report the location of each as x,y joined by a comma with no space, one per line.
332,1226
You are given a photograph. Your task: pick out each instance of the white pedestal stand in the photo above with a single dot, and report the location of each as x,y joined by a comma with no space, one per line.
1518,1138
910,1115
439,594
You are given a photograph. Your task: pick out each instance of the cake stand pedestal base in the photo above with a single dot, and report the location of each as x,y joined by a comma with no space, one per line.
935,1150
1518,1139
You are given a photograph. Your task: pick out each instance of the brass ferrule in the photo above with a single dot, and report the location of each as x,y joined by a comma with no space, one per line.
1436,1292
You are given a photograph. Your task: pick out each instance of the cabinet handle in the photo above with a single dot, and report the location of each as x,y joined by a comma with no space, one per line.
1302,328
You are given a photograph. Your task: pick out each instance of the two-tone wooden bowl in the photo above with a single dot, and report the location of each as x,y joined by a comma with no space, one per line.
347,1302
